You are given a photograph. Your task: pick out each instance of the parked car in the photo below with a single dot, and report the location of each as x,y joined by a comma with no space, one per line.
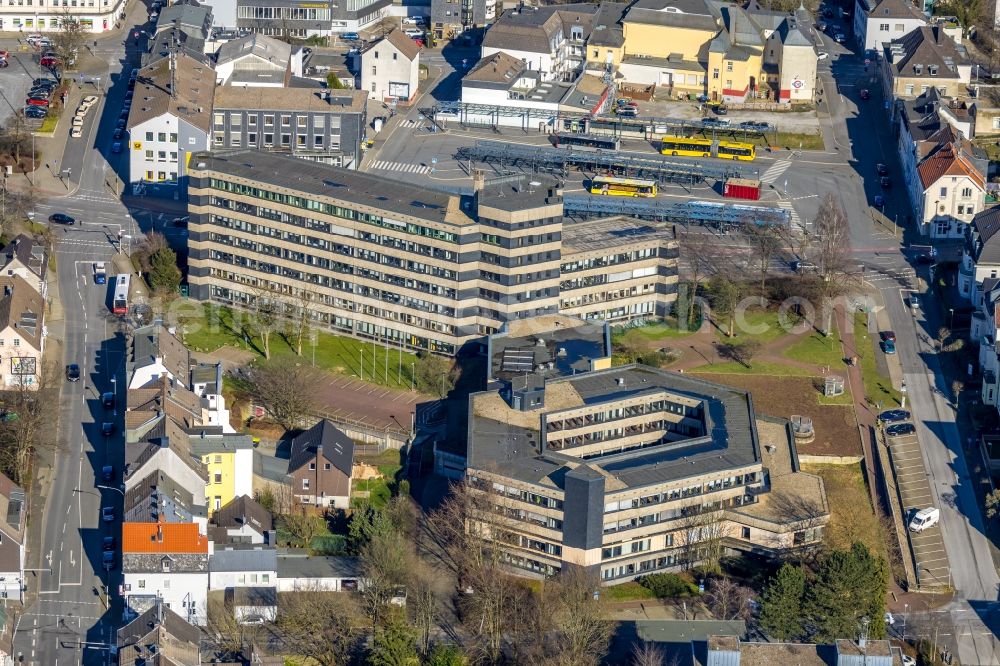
73,372
894,416
754,125
107,474
77,121
350,36
108,560
885,182
107,429
76,132
108,400
822,55
889,619
865,94
89,100
881,169
821,26
900,429
411,20
108,543
628,112
414,33
35,112
914,301
888,335
840,38
888,347
720,110
61,218
119,133
107,514
879,201
36,101
49,61
116,147
924,518
714,121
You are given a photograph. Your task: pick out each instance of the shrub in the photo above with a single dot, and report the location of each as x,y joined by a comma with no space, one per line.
668,585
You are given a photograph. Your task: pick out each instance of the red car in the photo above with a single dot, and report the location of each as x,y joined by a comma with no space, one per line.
50,61
34,101
865,94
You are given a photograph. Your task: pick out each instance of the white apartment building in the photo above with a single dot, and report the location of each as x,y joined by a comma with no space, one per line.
167,561
390,68
953,193
878,22
28,16
243,568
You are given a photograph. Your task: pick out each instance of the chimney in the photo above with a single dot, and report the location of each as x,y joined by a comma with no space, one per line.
478,180
159,533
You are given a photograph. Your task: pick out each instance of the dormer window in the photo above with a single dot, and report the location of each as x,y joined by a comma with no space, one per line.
932,70
918,69
165,564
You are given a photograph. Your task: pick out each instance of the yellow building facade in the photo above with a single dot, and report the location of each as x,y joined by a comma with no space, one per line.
229,461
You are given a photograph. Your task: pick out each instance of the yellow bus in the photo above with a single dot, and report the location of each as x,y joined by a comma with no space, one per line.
695,147
622,187
734,150
688,147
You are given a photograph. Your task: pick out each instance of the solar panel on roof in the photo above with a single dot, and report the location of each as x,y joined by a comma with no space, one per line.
517,360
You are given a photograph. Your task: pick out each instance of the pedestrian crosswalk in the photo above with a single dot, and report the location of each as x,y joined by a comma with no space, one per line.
385,165
409,122
796,220
775,171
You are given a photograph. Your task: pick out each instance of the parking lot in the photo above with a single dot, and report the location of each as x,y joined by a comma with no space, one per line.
930,558
15,80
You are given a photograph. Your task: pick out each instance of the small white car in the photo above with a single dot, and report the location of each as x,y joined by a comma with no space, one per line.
822,55
77,121
412,20
924,519
413,33
90,100
889,619
76,132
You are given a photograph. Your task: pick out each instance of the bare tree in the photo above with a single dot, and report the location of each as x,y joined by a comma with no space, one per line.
303,524
267,309
701,537
833,242
422,603
698,251
581,631
151,243
765,242
234,640
319,626
728,600
462,531
25,431
298,316
384,564
67,41
283,389
647,653
741,352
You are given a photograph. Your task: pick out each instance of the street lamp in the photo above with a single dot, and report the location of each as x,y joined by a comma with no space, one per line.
117,490
114,393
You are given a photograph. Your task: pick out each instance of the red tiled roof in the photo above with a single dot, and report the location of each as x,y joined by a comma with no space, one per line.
946,162
163,538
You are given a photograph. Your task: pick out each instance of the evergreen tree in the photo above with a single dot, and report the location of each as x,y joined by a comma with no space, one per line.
163,273
394,645
781,603
850,585
446,655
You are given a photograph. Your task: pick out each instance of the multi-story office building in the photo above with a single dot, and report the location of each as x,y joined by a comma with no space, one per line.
322,125
302,18
410,265
450,18
95,16
631,469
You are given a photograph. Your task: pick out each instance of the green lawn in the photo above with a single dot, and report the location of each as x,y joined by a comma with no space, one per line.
878,387
756,368
380,490
660,330
792,141
630,591
221,326
758,324
819,349
49,123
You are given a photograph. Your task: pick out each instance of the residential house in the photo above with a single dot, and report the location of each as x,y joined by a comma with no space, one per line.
878,22
22,332
228,459
984,331
247,567
156,352
257,60
167,561
26,257
158,498
450,18
13,514
320,466
316,124
922,59
206,382
981,256
242,523
390,68
549,40
305,573
158,636
681,648
170,119
252,605
953,192
163,445
184,28
789,61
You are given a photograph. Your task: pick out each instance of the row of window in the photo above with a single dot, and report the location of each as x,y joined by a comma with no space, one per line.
331,209
283,13
679,493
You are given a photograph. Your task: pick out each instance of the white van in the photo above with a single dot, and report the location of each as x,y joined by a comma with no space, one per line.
924,518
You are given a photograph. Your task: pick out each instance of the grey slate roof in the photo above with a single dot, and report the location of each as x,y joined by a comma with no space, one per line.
159,636
896,9
303,566
987,224
29,252
265,559
926,46
159,497
337,447
269,49
244,511
155,341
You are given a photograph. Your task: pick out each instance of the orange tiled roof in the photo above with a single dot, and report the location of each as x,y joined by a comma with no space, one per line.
163,538
946,162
